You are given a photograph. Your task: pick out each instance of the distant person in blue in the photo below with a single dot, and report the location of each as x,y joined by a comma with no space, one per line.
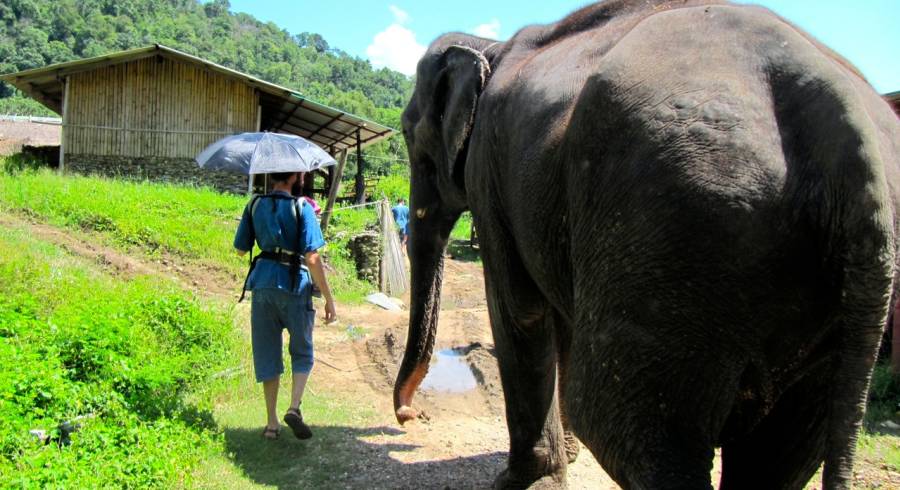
401,217
286,230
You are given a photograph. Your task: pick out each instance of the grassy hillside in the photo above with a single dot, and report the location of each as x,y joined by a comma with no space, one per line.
155,219
137,363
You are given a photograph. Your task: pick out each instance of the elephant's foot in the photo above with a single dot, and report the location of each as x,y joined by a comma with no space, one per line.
572,446
508,481
542,468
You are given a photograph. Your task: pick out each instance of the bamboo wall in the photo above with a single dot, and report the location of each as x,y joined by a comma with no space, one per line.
154,107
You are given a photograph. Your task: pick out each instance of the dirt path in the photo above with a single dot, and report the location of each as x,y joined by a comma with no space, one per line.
461,440
204,281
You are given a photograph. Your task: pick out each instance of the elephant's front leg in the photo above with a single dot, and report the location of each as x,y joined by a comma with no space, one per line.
527,355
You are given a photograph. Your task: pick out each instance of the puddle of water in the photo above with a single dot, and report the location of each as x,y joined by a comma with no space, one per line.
449,373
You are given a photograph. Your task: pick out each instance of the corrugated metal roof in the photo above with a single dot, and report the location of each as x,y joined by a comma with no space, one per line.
283,109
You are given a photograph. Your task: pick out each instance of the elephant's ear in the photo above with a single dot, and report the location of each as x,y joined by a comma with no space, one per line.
463,78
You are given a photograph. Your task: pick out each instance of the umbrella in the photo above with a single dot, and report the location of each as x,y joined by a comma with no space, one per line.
263,153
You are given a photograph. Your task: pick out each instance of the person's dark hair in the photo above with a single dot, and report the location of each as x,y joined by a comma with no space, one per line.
401,201
281,176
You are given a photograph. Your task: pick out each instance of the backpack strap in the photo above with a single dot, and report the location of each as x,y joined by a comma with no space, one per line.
251,261
298,253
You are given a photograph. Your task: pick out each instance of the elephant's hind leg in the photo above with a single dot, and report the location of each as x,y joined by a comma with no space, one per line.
646,433
564,345
526,344
787,447
527,360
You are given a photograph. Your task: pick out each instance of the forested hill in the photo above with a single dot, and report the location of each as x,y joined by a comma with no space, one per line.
35,33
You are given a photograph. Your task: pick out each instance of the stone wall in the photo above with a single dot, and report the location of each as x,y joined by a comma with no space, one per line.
175,170
366,251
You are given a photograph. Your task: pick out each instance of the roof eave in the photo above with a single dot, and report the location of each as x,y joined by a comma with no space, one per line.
25,81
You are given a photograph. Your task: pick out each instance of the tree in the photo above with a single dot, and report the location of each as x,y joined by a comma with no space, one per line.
35,33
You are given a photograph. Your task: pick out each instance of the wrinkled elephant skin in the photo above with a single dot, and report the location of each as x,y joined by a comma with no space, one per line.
687,219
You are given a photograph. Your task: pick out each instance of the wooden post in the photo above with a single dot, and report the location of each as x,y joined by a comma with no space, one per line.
360,180
258,125
62,128
329,179
335,187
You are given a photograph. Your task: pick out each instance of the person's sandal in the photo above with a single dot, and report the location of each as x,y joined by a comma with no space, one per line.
295,422
271,434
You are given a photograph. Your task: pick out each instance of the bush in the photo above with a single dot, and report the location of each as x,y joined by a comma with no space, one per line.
14,164
24,106
394,187
884,395
75,343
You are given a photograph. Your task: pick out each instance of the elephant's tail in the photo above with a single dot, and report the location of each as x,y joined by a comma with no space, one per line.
842,166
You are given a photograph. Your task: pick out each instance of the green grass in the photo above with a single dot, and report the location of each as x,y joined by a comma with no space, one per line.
882,449
76,342
246,460
193,223
463,227
154,219
146,361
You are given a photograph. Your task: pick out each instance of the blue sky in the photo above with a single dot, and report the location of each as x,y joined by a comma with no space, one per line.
393,33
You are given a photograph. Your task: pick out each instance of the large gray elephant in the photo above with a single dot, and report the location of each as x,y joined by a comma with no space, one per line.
686,214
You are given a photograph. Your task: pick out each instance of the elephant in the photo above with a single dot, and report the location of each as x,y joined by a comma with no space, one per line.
687,220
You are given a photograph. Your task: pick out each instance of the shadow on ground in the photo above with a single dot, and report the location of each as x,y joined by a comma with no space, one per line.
338,457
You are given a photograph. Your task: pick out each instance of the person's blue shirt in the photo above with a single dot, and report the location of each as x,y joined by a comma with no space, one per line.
275,226
401,217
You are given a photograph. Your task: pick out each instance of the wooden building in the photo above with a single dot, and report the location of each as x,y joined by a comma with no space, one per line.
148,112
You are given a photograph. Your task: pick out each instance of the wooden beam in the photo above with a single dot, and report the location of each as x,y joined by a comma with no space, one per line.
360,180
309,132
324,126
291,114
335,187
62,128
258,124
306,134
37,94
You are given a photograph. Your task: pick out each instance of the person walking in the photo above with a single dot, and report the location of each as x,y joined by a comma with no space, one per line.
401,217
286,230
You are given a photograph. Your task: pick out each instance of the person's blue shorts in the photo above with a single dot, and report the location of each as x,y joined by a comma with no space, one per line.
271,311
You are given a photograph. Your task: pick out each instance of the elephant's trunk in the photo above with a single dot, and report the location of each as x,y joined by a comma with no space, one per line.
428,238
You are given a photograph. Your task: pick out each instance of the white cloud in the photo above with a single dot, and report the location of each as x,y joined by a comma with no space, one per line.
396,46
400,15
490,30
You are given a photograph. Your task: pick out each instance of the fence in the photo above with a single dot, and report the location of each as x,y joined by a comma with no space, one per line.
31,119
